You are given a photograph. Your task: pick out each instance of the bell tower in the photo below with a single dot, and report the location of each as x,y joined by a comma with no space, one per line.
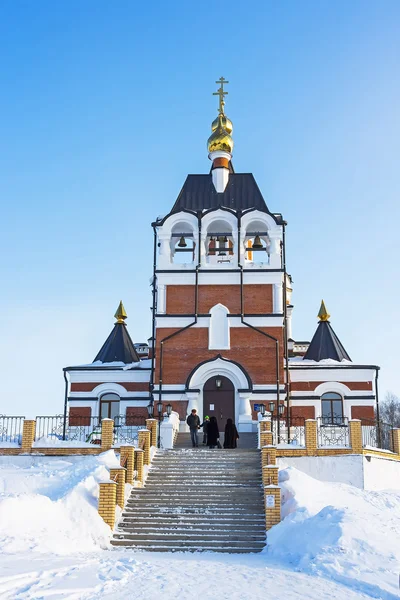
218,301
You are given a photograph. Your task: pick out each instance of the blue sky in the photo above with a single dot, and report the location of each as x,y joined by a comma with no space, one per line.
105,109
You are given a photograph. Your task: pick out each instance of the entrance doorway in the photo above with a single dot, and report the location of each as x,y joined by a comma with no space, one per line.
219,400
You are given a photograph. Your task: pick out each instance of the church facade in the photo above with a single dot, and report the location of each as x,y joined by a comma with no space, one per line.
222,319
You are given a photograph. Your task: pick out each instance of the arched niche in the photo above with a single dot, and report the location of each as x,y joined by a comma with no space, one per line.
218,331
219,236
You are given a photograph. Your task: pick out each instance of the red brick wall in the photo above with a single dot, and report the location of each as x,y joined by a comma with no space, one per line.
258,299
363,412
135,412
305,386
79,415
130,386
249,348
304,412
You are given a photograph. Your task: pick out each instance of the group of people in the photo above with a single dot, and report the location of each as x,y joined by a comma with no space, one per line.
211,431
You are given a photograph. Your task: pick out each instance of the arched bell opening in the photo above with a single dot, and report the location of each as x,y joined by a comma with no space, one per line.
183,246
257,243
219,242
219,400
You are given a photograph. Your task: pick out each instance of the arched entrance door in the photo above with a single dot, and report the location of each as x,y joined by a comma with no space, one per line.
219,399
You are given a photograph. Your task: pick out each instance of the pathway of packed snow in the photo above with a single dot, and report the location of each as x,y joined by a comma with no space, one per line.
336,541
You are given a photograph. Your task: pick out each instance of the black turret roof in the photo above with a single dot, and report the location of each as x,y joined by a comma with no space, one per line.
241,193
118,347
326,344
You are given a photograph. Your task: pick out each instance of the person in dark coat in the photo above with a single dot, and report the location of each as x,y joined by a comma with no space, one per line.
213,433
205,425
231,435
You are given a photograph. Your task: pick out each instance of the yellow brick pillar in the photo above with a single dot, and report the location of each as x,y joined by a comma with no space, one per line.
28,435
118,474
356,436
107,434
268,455
127,459
265,426
270,474
107,502
311,437
265,438
151,425
144,439
272,503
396,441
139,465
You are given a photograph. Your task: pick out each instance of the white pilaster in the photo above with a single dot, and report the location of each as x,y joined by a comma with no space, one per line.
278,298
162,299
289,310
275,251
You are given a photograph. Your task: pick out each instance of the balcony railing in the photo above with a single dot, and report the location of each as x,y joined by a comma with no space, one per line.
376,434
293,435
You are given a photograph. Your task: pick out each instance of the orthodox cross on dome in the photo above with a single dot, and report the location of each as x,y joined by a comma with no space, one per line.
323,314
221,93
120,315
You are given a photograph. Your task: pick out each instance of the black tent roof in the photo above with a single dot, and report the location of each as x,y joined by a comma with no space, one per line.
325,344
118,347
241,193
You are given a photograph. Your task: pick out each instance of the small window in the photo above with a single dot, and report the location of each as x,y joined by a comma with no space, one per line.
109,406
332,409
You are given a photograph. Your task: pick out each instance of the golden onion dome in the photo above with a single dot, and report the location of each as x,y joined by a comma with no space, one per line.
221,139
225,122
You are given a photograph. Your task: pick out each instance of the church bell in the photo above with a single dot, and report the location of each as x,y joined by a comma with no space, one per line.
182,243
257,245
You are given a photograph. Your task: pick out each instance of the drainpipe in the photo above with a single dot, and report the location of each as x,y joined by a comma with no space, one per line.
65,405
153,329
285,321
377,407
267,335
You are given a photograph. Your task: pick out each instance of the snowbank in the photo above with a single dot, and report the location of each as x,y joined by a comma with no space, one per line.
339,531
48,504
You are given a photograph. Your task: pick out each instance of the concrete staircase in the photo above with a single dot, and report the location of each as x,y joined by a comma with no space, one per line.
197,500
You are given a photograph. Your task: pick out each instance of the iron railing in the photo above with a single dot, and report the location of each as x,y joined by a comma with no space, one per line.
333,431
126,429
72,429
377,434
11,429
295,436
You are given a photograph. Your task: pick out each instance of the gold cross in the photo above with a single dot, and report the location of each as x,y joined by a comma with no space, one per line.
221,94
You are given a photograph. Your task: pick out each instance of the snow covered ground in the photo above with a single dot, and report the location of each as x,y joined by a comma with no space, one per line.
335,542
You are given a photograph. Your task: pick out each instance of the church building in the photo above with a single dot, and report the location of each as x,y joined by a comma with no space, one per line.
221,339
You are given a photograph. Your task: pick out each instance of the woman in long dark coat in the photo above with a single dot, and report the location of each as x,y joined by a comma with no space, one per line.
231,435
212,433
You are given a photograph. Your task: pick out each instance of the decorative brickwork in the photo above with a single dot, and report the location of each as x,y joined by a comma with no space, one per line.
268,455
311,437
272,503
265,438
118,474
356,436
144,442
28,435
127,453
107,434
270,475
107,502
396,441
139,465
151,425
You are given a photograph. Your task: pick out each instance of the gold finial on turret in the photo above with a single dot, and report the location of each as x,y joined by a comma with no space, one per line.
221,93
323,314
120,315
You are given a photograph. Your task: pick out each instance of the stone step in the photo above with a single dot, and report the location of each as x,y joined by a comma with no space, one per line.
187,544
201,528
190,536
178,548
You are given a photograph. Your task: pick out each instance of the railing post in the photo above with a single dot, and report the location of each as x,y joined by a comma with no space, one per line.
151,425
118,474
311,437
272,503
127,457
28,435
265,425
356,441
268,455
144,438
107,502
107,434
270,474
396,441
139,465
265,438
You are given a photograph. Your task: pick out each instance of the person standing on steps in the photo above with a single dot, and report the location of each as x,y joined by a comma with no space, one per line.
212,433
231,435
194,425
205,425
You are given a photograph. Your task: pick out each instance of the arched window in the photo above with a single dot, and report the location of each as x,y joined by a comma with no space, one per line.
332,409
109,406
218,333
